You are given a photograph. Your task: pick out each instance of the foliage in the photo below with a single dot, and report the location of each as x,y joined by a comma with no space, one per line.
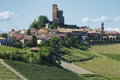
34,40
74,41
42,20
46,53
43,43
34,24
19,55
53,26
31,43
31,57
9,49
54,44
29,32
17,44
40,23
4,35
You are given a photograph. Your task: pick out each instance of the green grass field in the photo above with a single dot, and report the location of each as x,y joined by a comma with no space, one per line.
103,60
113,56
102,66
8,49
106,60
75,55
41,72
6,74
107,49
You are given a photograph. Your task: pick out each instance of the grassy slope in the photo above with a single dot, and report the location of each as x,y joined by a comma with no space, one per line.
77,55
32,71
105,63
40,72
113,56
6,74
102,64
107,49
9,49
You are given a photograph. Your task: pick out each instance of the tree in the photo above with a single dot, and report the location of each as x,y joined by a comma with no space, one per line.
32,42
17,44
40,22
34,24
29,32
29,43
53,26
68,42
75,41
43,43
4,35
54,43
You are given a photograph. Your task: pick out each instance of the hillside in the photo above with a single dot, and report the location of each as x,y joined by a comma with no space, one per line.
42,72
103,60
6,74
8,49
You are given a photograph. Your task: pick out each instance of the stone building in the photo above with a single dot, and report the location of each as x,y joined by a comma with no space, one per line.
102,27
57,15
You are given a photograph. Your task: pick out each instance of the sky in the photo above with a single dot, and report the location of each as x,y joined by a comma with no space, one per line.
19,14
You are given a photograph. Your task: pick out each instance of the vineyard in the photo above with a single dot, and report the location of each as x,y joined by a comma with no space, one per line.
6,74
74,55
8,49
42,72
103,60
22,55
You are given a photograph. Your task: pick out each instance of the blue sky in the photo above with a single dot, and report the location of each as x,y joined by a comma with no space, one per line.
19,14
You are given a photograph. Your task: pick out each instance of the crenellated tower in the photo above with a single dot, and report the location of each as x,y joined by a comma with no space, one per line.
57,15
102,26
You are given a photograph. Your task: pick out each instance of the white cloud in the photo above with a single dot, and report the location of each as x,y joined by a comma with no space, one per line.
95,20
102,18
105,18
117,19
87,19
6,15
113,29
84,20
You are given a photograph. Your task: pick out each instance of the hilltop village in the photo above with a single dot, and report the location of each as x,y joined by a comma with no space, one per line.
57,27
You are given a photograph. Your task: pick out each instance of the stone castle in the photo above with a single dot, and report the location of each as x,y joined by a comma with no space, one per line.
57,15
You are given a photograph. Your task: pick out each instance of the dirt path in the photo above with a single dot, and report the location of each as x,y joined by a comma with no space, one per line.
13,70
74,68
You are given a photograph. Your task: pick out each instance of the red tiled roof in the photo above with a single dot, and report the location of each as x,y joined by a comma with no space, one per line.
18,36
34,49
112,32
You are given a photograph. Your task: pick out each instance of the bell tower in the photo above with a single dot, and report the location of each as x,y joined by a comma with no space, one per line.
102,26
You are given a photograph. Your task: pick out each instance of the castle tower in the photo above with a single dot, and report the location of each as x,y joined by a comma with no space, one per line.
57,15
55,10
102,26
